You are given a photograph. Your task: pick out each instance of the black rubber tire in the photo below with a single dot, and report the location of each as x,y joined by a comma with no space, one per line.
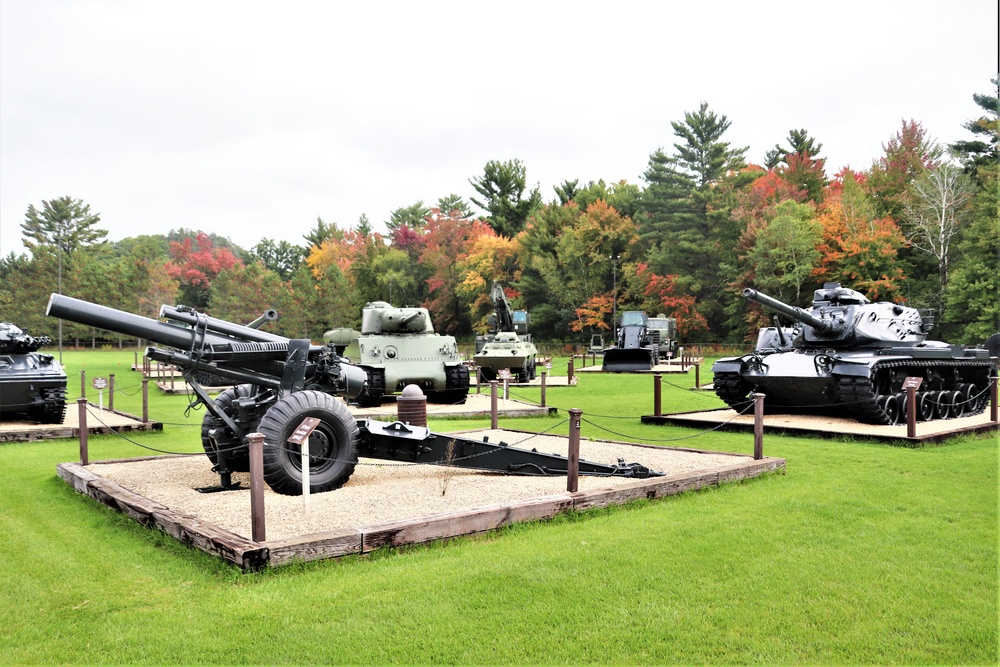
942,404
333,445
237,459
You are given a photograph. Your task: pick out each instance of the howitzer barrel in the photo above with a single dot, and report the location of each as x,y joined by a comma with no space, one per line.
127,324
248,332
791,311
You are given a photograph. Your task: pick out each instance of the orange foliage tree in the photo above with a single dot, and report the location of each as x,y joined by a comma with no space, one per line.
663,293
859,249
194,263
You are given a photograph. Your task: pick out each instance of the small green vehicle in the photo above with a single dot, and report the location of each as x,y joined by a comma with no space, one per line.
32,384
397,347
508,344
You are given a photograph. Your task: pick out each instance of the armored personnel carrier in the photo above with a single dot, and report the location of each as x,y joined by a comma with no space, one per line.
508,344
31,384
848,356
397,347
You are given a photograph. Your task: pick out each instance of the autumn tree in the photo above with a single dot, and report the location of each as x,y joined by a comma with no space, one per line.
490,257
859,249
448,239
194,263
504,194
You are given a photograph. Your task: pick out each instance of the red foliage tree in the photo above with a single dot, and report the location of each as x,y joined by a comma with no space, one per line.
194,264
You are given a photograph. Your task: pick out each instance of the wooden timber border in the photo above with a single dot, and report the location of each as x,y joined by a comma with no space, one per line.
27,431
927,432
249,555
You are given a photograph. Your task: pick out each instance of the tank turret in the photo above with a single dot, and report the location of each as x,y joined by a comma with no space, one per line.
841,316
845,355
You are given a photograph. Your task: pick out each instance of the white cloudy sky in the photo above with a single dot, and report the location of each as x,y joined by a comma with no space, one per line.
250,119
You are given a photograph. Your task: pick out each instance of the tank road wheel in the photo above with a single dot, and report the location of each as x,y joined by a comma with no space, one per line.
942,404
901,401
957,403
53,410
925,407
238,459
890,409
333,445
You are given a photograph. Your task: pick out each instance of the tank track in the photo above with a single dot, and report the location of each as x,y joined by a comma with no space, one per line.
864,399
734,390
53,409
457,383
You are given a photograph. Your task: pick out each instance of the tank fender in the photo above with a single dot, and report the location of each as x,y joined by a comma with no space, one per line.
860,369
730,365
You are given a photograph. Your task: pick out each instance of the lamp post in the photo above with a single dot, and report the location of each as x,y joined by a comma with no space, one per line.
614,295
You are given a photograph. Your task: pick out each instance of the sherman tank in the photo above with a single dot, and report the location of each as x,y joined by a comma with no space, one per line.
32,385
397,347
848,356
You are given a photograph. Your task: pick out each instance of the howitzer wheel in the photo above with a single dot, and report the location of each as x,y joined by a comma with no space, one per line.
238,456
333,445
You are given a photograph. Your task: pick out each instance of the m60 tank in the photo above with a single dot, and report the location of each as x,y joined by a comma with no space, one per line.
397,347
848,356
31,384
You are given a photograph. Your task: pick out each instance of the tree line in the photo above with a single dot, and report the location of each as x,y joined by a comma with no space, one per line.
919,226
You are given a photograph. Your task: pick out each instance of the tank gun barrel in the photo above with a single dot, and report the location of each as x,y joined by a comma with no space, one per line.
821,326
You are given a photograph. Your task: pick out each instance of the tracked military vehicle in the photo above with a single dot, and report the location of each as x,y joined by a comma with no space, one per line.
507,345
32,384
397,347
848,356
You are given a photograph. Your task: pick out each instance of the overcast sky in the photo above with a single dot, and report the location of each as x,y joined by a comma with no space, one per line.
250,119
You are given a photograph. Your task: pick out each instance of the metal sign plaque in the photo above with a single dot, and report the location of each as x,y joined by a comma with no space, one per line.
303,430
912,383
100,383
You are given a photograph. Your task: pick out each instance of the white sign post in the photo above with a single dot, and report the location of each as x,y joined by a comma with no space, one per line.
100,384
301,437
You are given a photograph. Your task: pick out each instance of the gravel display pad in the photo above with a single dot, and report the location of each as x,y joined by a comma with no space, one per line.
386,503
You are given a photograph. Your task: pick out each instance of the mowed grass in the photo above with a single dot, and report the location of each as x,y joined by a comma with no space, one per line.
860,553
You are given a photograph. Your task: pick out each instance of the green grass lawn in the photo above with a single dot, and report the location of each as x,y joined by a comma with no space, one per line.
860,553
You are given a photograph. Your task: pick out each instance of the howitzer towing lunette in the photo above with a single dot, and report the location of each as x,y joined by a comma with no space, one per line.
281,381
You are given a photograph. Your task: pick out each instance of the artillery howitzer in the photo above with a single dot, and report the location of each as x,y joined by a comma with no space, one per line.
31,383
282,381
398,347
848,356
634,350
507,344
